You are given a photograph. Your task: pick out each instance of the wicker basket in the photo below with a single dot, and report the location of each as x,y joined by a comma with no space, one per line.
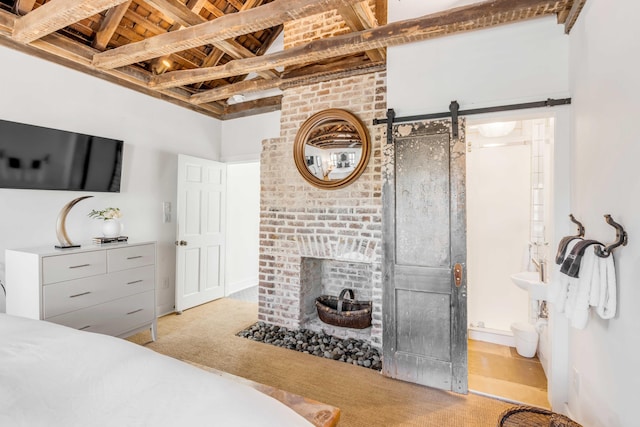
529,416
347,313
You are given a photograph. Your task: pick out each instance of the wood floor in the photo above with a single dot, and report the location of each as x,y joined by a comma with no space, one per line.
500,371
494,370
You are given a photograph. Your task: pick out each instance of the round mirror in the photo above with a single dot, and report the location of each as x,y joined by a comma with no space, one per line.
331,149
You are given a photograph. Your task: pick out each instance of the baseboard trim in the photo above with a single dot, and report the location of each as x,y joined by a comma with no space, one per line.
240,285
494,336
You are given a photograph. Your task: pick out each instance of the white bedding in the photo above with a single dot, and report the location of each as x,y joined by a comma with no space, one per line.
51,375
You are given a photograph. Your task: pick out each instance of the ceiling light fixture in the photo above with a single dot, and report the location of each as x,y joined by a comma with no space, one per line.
496,129
236,99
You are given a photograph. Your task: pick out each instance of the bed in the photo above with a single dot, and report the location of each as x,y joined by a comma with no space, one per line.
51,375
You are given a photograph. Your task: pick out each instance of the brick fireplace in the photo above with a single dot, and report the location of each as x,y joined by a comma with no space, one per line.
314,241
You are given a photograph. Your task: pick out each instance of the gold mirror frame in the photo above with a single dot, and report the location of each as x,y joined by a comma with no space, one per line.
317,121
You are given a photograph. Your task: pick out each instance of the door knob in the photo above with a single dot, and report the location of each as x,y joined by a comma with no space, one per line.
181,243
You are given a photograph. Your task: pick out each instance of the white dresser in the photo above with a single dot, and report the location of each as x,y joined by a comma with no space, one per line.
108,289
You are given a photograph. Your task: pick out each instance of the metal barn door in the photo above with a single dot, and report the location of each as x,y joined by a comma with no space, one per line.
425,312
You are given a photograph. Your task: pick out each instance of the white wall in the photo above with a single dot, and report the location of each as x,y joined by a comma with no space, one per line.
242,138
606,92
509,64
241,148
243,223
498,211
38,92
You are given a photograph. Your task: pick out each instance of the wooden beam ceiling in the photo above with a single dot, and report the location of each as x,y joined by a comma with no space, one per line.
361,51
223,28
439,24
57,14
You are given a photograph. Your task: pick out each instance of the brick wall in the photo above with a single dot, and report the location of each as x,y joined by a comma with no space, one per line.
300,221
309,235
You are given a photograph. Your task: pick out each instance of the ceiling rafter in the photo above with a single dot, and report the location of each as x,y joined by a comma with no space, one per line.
57,14
360,17
225,27
187,17
257,106
260,85
456,20
109,25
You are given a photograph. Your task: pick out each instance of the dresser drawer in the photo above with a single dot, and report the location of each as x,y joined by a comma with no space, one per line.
130,257
73,295
114,317
133,281
73,266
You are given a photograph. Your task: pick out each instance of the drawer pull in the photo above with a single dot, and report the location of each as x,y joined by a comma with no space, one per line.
134,282
79,266
79,295
85,327
134,311
134,257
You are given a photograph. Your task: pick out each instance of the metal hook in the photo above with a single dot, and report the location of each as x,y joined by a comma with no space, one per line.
621,238
579,224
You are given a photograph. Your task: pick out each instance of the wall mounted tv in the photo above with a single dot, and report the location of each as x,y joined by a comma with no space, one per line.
34,157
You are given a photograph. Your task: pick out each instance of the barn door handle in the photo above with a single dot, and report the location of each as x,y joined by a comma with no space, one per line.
457,274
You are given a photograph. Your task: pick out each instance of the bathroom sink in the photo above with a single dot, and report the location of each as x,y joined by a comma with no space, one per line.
530,282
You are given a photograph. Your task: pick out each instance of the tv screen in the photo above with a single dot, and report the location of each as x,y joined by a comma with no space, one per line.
34,157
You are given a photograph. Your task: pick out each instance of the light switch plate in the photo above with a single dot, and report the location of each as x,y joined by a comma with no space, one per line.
166,212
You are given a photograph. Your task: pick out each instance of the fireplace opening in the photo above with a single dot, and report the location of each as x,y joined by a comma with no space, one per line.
329,277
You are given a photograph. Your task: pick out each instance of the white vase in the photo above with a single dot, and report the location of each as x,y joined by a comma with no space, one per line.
111,228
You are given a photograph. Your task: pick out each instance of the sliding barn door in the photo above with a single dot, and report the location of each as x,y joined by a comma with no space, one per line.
425,312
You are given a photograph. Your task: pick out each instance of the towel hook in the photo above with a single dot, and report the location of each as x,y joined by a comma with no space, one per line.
579,224
621,238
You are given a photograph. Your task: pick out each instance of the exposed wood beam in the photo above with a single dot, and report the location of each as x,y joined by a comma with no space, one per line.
237,51
249,108
254,86
178,12
360,17
225,27
187,17
465,18
576,8
109,25
55,15
381,12
7,22
24,6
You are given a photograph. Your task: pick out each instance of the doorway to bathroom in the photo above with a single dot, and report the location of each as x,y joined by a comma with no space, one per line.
509,226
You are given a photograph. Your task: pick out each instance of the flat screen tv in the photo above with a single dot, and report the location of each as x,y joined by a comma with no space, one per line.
34,157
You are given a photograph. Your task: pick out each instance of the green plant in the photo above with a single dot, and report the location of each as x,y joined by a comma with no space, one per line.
105,214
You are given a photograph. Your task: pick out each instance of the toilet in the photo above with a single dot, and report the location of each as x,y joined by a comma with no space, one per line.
526,338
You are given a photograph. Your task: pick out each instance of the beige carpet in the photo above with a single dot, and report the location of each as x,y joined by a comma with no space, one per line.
206,335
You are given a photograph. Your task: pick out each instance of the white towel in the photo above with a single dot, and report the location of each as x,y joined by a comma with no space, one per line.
606,307
579,299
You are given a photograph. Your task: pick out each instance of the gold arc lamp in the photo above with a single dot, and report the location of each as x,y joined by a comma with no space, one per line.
61,230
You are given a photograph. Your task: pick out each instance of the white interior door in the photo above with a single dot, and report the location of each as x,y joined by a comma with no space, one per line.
201,238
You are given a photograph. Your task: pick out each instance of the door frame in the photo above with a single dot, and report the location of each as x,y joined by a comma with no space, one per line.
558,325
